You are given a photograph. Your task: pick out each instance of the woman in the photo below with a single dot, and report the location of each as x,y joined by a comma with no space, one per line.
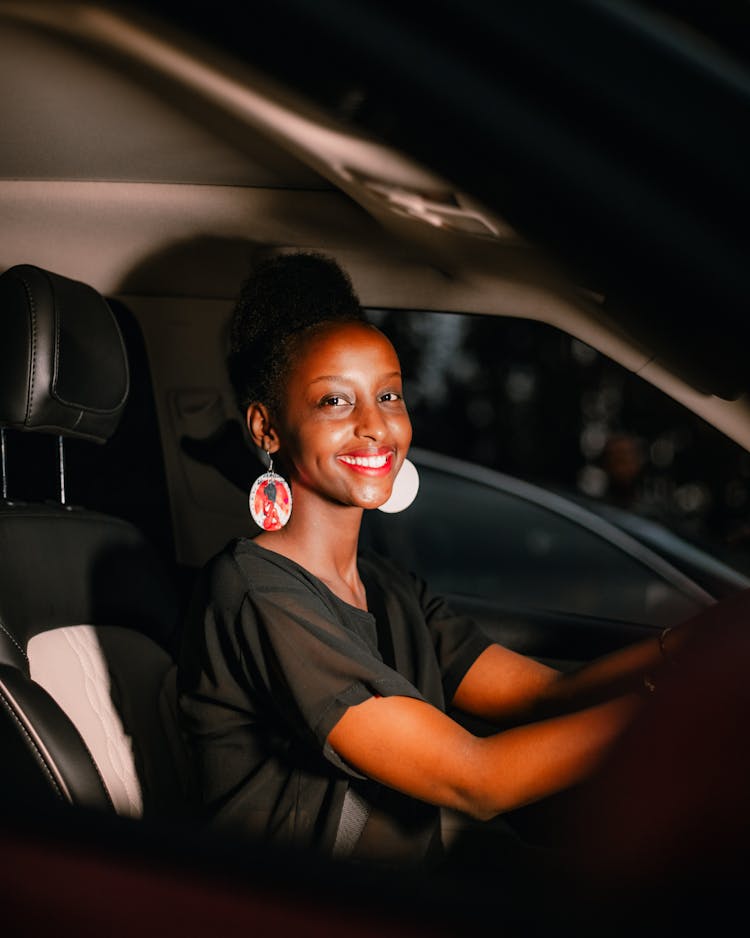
314,680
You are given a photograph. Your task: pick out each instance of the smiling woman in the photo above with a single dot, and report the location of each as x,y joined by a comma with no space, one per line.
345,428
316,679
155,159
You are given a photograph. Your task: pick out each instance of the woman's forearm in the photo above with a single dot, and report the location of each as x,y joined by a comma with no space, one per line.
410,746
522,765
635,667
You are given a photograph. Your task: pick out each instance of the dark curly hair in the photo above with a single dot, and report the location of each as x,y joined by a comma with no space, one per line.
284,299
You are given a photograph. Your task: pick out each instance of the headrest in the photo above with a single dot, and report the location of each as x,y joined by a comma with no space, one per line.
63,364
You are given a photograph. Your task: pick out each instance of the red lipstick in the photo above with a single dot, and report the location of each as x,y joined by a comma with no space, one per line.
368,462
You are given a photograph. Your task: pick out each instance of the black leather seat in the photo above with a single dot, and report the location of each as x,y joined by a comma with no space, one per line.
87,691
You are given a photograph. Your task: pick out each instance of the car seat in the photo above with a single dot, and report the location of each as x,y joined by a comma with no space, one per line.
87,683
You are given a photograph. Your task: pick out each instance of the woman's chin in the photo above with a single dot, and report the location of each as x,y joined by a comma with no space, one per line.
373,498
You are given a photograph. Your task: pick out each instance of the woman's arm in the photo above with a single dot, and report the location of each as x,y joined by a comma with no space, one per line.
503,685
415,748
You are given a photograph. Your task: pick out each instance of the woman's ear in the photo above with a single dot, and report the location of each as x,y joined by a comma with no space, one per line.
261,429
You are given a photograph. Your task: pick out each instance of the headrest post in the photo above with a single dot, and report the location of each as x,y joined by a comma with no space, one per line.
3,464
61,457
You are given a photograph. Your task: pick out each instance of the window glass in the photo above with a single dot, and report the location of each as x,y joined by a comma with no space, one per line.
525,399
468,538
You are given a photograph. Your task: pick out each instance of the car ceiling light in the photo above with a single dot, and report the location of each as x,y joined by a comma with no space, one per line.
441,208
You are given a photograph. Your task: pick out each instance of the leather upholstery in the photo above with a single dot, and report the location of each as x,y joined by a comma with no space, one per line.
117,687
45,760
63,365
87,610
61,566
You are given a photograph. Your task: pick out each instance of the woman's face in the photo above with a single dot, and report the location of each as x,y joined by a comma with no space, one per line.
344,429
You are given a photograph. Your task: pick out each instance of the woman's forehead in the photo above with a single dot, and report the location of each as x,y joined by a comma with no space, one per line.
337,348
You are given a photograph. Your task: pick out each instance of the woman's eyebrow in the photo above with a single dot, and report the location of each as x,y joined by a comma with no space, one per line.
328,378
386,377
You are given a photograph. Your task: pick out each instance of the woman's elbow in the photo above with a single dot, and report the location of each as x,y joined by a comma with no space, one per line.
473,793
473,803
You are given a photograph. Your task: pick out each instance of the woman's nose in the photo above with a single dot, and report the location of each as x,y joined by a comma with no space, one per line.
370,422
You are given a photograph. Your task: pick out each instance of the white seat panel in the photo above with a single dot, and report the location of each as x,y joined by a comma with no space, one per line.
70,665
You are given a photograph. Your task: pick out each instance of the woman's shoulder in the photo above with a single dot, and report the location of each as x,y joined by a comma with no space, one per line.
377,562
238,564
385,570
248,561
396,580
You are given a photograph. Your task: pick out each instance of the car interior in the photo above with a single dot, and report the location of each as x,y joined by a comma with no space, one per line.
89,608
144,169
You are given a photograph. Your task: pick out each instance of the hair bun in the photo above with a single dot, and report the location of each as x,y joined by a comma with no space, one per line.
283,296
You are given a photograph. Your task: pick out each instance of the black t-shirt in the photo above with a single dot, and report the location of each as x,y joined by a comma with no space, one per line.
272,659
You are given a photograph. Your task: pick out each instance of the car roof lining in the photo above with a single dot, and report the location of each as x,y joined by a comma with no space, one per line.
194,239
131,132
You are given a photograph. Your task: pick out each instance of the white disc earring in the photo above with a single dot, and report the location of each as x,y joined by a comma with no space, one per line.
405,488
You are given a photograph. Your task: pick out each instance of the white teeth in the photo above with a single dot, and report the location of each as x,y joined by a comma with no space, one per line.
369,462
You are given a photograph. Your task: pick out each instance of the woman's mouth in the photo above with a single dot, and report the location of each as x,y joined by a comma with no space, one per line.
370,464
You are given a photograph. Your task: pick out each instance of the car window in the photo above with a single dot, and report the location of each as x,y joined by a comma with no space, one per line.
471,539
524,398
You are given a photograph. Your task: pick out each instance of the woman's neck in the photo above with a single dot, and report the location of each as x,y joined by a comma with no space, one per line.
323,538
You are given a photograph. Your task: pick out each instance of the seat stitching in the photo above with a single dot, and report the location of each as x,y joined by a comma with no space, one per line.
32,374
57,327
13,639
32,743
94,679
92,670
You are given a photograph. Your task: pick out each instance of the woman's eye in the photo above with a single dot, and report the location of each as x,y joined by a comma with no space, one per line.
334,400
390,396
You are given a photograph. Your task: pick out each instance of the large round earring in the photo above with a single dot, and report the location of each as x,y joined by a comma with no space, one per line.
270,499
405,488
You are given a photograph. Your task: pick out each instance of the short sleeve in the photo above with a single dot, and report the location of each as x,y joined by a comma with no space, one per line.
310,662
457,639
428,632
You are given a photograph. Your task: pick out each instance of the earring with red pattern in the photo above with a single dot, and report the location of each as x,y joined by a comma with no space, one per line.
270,499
